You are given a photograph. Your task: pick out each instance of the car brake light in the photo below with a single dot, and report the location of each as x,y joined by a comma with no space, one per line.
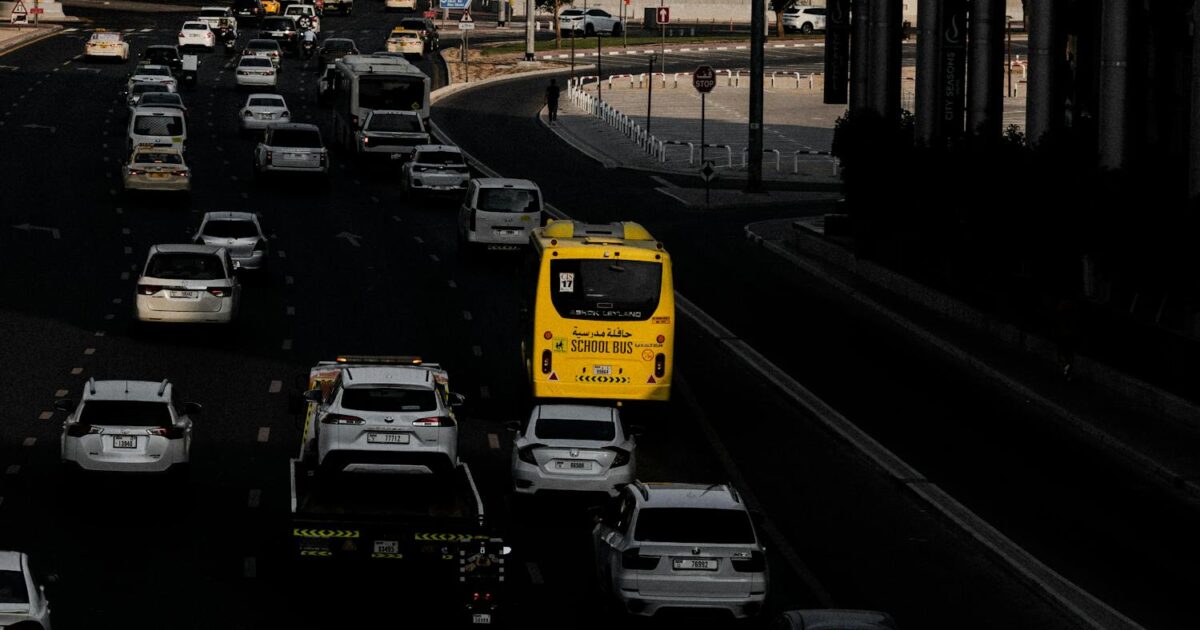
270,154
633,559
181,33
481,597
756,563
248,114
75,429
434,421
366,141
324,159
134,172
148,289
622,456
219,291
546,359
286,113
183,173
525,453
337,418
354,121
660,364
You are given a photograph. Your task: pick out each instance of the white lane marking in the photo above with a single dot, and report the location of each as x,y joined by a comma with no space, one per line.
77,371
107,316
254,499
59,393
493,441
250,567
276,387
46,415
434,258
282,254
374,199
291,310
89,351
663,181
484,392
264,434
467,315
535,574
125,230
120,211
29,441
418,239
117,300
453,284
124,275
477,350
395,218
128,249
99,333
287,344
12,469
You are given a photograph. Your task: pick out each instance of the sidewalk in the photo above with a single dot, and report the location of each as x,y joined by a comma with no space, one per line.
12,37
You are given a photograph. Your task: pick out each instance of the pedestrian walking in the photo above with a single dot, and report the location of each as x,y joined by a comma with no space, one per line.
552,100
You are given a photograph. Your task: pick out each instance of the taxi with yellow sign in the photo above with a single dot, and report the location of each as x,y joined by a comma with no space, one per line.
153,167
408,42
107,44
272,7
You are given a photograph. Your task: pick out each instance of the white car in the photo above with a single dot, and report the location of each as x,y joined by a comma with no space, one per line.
23,601
578,448
264,47
306,17
390,132
291,148
129,426
261,110
256,71
107,44
499,213
155,95
665,546
135,92
435,168
157,126
804,19
407,43
153,73
380,417
400,5
156,168
240,233
589,22
197,33
188,284
216,17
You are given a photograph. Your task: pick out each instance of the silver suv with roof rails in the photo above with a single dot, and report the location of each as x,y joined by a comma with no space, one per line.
499,213
672,546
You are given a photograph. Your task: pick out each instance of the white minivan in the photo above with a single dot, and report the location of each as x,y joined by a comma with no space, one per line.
157,126
498,213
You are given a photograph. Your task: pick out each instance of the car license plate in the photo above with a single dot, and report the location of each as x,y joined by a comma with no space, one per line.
509,232
387,438
387,546
481,618
602,370
124,441
189,295
297,156
694,564
569,465
159,175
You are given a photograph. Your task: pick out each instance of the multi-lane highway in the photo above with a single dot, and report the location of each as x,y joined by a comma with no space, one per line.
357,268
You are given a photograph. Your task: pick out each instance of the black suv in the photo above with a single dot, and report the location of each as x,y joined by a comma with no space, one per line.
281,29
248,10
335,48
164,55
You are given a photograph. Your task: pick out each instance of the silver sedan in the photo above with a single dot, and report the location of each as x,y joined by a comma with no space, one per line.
240,233
261,110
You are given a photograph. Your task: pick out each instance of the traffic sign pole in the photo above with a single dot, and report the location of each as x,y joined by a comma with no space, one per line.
703,162
704,79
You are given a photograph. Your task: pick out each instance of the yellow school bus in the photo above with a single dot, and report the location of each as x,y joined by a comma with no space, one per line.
600,313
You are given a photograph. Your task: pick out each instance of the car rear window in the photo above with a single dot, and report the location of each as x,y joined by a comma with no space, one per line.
231,229
448,158
161,97
142,88
147,125
388,399
394,122
157,71
197,26
12,588
266,102
182,266
605,290
255,62
694,525
296,138
158,158
132,413
559,429
508,200
106,37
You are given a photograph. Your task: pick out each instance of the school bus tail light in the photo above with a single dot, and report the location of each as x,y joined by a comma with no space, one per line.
546,361
660,364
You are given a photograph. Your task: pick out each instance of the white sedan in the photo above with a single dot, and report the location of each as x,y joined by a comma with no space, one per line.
256,71
572,447
197,33
263,109
107,44
157,168
152,73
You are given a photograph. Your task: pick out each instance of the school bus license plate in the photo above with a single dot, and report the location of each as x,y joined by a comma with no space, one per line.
602,370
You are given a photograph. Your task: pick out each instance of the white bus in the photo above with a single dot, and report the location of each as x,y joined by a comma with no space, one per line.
362,83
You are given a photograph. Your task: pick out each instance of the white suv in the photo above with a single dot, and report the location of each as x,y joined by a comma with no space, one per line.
305,15
23,602
804,19
384,418
680,546
435,168
127,426
291,148
572,447
193,284
498,213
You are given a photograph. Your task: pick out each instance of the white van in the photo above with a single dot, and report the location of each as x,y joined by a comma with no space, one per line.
499,213
157,126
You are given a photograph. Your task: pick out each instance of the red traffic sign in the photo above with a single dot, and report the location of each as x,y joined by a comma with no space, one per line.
704,79
662,15
37,11
430,14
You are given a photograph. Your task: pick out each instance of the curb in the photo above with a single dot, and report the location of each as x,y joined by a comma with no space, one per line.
42,32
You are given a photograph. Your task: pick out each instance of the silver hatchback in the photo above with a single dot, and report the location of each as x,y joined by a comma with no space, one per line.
499,213
127,426
240,233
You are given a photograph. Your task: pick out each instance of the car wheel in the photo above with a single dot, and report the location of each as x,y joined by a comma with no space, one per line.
807,28
616,30
589,30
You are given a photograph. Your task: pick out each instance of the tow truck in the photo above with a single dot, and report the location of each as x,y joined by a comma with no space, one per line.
428,531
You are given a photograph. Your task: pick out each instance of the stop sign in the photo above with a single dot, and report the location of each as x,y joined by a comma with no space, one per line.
704,79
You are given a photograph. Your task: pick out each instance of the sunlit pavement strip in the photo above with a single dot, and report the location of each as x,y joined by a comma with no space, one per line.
264,434
493,441
46,415
29,441
276,387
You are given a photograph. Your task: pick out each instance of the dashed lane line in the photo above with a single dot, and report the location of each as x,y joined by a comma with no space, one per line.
29,441
46,415
276,387
477,351
59,393
12,469
452,284
287,344
264,434
89,351
484,392
493,441
291,310
467,315
76,371
434,258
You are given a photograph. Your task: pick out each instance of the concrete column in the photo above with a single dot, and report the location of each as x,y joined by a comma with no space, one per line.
985,76
1194,131
1043,108
929,44
884,80
1114,79
860,58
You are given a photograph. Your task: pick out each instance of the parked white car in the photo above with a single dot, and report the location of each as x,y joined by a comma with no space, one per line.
195,284
588,22
197,33
261,110
23,601
578,448
131,426
435,168
804,19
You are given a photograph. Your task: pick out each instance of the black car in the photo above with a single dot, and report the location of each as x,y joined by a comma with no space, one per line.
164,55
248,10
335,48
282,29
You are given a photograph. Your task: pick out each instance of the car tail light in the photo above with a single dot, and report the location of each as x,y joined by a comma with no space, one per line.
633,559
324,158
546,360
148,289
183,173
354,121
219,291
434,421
482,596
622,457
270,155
248,114
366,141
133,172
337,418
74,429
525,453
171,433
286,114
660,364
181,33
756,563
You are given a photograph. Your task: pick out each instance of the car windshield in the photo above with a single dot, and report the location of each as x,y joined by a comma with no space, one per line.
143,88
255,62
186,266
607,290
231,229
296,138
388,399
266,102
394,122
391,93
508,200
12,588
158,125
195,26
694,525
150,157
132,413
162,55
446,158
571,12
559,429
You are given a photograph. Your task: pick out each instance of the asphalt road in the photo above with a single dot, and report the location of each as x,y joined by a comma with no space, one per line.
154,554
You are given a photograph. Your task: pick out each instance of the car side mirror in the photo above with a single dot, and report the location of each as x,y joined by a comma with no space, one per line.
65,405
313,396
513,426
192,409
457,399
